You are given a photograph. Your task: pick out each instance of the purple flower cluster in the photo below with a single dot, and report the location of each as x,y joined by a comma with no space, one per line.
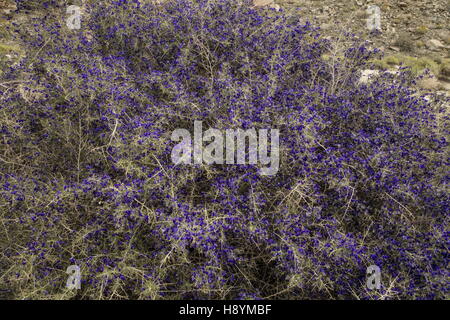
87,178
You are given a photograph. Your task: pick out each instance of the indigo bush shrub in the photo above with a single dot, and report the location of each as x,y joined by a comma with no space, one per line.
87,178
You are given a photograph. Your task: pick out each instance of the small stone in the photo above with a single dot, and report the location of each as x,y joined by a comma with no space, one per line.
434,44
445,86
445,36
326,26
429,84
262,3
366,75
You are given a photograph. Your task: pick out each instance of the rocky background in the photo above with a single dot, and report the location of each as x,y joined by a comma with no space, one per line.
413,32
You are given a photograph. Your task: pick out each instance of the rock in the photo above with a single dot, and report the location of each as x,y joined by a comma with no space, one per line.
7,7
434,44
445,36
366,75
262,3
326,26
429,83
445,86
266,3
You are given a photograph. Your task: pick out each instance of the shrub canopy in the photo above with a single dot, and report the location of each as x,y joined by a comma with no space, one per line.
87,177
